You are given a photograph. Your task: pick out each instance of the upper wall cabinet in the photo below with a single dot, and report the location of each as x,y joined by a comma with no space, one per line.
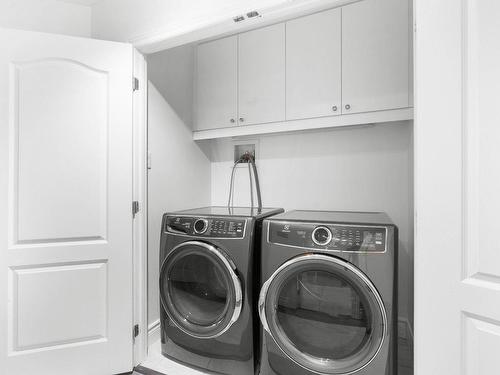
340,67
375,55
217,84
261,77
313,65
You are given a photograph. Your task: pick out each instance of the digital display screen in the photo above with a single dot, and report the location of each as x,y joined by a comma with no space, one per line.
368,237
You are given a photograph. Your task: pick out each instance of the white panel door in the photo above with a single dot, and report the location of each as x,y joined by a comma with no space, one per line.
375,55
313,65
217,84
65,189
261,61
457,137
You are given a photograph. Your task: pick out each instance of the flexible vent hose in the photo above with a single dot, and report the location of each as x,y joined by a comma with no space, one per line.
247,158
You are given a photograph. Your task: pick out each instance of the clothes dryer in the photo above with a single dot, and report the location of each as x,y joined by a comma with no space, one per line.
328,301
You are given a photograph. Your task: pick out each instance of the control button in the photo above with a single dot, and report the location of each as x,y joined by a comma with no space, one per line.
321,236
200,226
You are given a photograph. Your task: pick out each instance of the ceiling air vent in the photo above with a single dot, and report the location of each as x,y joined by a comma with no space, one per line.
251,14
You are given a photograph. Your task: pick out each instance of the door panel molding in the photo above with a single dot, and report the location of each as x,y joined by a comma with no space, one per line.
43,156
481,176
481,336
42,327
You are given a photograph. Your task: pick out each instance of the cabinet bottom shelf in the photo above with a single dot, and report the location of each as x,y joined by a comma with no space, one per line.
307,124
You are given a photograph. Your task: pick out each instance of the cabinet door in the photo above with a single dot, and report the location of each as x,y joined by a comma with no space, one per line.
313,65
261,75
375,49
217,84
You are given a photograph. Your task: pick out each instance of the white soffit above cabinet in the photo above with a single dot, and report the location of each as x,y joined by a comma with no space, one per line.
221,24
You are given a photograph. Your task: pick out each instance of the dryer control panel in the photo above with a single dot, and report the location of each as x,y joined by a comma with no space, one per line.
211,227
329,236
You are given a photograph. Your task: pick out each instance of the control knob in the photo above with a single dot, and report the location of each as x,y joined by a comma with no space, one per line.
200,226
321,236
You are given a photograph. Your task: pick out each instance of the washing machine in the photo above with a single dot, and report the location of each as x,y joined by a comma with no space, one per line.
328,301
208,293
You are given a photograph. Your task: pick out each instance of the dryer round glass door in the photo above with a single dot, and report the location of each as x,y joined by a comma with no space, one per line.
324,314
199,289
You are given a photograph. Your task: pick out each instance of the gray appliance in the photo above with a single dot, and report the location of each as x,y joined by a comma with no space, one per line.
328,299
208,294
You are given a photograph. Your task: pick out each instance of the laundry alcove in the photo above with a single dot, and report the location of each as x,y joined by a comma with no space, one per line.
368,167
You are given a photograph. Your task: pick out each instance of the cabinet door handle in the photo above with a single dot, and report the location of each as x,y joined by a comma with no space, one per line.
231,121
347,106
242,119
334,108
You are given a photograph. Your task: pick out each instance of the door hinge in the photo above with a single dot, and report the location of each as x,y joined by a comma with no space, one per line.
135,331
135,208
135,84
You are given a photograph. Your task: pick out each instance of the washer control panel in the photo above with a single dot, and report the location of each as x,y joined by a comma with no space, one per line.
334,237
216,227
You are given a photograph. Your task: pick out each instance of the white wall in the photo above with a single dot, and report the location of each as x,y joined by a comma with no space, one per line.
365,168
47,16
179,177
171,72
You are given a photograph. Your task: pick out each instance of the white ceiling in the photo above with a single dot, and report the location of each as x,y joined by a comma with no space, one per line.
81,2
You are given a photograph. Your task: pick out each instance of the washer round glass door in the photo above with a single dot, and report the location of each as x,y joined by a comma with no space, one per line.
324,314
199,289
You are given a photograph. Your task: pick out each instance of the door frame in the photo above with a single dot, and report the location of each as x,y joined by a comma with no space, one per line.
440,40
140,222
216,28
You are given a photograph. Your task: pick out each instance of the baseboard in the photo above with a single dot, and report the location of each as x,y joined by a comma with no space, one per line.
153,332
141,370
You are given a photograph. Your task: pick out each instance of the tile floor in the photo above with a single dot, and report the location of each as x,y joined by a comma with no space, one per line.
162,365
157,362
